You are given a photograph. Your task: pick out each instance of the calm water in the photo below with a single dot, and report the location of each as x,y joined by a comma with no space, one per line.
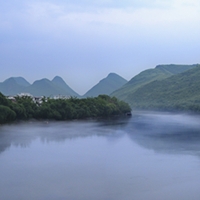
151,156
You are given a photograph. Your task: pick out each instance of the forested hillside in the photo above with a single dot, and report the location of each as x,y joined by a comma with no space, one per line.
178,92
160,72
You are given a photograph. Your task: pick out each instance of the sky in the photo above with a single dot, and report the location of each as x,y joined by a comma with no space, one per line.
83,41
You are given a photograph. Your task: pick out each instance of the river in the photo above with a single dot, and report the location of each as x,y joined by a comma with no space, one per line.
149,156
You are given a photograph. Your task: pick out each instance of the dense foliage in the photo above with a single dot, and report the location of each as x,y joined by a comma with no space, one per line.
160,72
179,92
61,109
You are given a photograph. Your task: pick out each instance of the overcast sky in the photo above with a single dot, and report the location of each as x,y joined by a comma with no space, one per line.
84,40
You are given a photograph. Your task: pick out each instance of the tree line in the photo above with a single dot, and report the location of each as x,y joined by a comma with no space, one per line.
25,108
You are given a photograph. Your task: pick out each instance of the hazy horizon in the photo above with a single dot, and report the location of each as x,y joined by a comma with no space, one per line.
83,42
84,92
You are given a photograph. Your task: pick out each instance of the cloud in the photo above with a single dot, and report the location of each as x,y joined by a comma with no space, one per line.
57,18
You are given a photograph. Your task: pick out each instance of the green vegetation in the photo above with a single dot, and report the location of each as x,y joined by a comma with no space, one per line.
61,109
6,113
179,92
161,72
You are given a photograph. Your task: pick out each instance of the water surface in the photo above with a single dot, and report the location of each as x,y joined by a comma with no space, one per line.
151,156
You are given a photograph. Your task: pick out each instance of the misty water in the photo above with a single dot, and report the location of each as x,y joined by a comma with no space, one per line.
150,156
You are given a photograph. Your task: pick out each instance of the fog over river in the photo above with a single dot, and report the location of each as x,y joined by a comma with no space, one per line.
149,156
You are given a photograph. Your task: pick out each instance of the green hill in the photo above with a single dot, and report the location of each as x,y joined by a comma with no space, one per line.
107,85
160,72
178,92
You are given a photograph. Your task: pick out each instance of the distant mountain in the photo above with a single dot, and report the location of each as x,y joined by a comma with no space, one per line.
107,85
160,72
180,92
22,81
10,87
43,87
59,82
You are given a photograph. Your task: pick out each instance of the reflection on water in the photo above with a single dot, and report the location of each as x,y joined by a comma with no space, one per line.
23,134
148,156
167,133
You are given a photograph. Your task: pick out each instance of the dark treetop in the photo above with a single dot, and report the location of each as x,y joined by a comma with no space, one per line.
60,109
